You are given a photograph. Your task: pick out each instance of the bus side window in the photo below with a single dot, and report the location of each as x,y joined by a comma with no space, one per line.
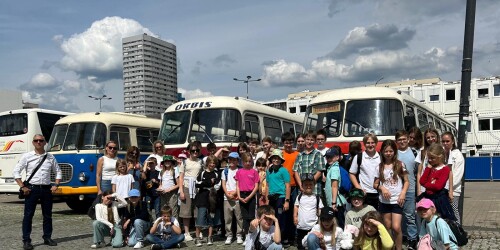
409,119
252,128
272,128
121,135
288,127
423,123
145,137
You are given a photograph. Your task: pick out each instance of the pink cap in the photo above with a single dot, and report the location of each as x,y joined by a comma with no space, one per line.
425,203
182,155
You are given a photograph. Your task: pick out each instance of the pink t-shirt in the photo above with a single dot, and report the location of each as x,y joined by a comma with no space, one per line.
246,179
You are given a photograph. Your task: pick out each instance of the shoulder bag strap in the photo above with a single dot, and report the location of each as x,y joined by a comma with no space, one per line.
37,167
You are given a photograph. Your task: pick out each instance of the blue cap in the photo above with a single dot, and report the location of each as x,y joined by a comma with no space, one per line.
234,155
332,152
134,193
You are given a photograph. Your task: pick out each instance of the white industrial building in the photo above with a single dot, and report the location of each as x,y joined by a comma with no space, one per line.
444,98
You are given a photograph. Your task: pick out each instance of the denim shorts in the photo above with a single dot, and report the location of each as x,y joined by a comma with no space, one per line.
204,219
389,208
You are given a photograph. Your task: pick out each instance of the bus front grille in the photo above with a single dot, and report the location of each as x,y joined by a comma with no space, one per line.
67,173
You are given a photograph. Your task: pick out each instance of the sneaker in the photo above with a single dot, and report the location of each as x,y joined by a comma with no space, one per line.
155,247
412,245
138,245
201,235
98,245
210,241
197,242
187,237
239,239
229,240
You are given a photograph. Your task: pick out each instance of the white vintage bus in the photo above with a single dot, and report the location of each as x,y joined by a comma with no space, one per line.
78,141
17,128
348,114
226,121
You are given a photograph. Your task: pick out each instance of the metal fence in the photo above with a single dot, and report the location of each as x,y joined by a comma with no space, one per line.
482,168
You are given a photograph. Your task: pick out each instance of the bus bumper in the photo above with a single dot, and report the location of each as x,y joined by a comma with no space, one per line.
65,190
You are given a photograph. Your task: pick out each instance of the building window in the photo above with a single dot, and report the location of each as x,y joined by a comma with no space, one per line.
293,110
496,90
496,124
434,98
482,92
450,95
303,108
484,125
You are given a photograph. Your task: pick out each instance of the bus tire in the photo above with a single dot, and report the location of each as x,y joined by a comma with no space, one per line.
79,206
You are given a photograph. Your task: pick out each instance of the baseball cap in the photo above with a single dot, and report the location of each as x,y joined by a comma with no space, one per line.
134,193
327,213
332,152
357,193
234,155
182,155
425,203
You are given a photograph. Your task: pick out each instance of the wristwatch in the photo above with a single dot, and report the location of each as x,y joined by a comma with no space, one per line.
287,200
334,203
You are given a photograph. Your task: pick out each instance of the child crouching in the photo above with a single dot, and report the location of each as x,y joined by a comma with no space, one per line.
325,234
166,232
264,232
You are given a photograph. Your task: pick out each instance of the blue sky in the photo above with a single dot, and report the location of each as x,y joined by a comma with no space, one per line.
59,52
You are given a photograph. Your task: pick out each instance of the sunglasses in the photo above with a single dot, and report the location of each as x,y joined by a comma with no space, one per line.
112,148
195,150
160,147
39,141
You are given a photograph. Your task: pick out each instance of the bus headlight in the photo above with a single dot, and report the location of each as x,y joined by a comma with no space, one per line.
82,176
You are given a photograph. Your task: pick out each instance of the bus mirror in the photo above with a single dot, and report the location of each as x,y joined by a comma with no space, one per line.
409,122
472,152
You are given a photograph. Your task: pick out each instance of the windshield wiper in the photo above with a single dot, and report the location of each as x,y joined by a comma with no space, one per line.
204,131
175,128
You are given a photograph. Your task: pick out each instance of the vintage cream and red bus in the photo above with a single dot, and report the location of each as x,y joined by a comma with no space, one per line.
348,114
224,121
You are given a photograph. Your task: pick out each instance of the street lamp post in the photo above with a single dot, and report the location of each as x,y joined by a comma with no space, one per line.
100,100
247,81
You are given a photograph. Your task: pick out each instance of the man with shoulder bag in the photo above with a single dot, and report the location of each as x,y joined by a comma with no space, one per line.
38,165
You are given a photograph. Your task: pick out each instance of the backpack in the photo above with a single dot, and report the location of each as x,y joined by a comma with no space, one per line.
458,231
91,211
427,243
317,200
345,182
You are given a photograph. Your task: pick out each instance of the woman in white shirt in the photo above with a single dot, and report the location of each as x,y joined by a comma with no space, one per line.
107,221
106,167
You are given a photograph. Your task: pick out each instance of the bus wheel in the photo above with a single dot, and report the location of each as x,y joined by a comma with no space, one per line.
79,206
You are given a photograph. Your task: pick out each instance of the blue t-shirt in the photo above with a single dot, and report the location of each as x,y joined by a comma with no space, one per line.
276,180
440,231
408,158
333,174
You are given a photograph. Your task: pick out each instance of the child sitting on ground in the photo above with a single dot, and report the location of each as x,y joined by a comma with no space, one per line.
373,234
264,232
359,208
437,228
166,232
325,234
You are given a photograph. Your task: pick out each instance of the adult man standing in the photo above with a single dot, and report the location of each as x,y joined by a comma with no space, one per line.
39,189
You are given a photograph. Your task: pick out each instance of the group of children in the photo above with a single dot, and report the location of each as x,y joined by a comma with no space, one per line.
275,198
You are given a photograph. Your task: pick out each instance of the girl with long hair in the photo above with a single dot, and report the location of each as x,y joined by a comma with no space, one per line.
391,181
134,167
107,221
325,233
373,234
122,181
430,136
456,162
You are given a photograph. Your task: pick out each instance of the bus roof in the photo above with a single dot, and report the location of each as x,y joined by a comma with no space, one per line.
232,103
26,111
112,118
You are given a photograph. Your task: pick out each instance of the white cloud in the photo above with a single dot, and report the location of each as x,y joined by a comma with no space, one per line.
282,73
191,94
98,50
41,80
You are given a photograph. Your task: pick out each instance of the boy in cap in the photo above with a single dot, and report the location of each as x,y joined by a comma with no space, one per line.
359,208
437,228
231,204
136,218
278,181
333,197
306,210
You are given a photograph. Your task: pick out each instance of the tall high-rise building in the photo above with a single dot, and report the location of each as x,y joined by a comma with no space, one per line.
149,75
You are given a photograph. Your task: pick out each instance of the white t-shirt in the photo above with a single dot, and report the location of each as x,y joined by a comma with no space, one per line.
456,160
123,184
166,180
394,186
307,211
230,181
327,236
265,238
165,230
367,172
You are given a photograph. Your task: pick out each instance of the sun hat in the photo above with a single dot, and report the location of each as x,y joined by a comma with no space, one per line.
357,193
134,193
168,158
278,153
425,203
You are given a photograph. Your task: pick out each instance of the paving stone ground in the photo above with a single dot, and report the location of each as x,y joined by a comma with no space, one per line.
74,231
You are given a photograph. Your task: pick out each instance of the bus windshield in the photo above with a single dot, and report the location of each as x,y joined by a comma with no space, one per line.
78,136
15,124
326,116
380,117
174,127
215,125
